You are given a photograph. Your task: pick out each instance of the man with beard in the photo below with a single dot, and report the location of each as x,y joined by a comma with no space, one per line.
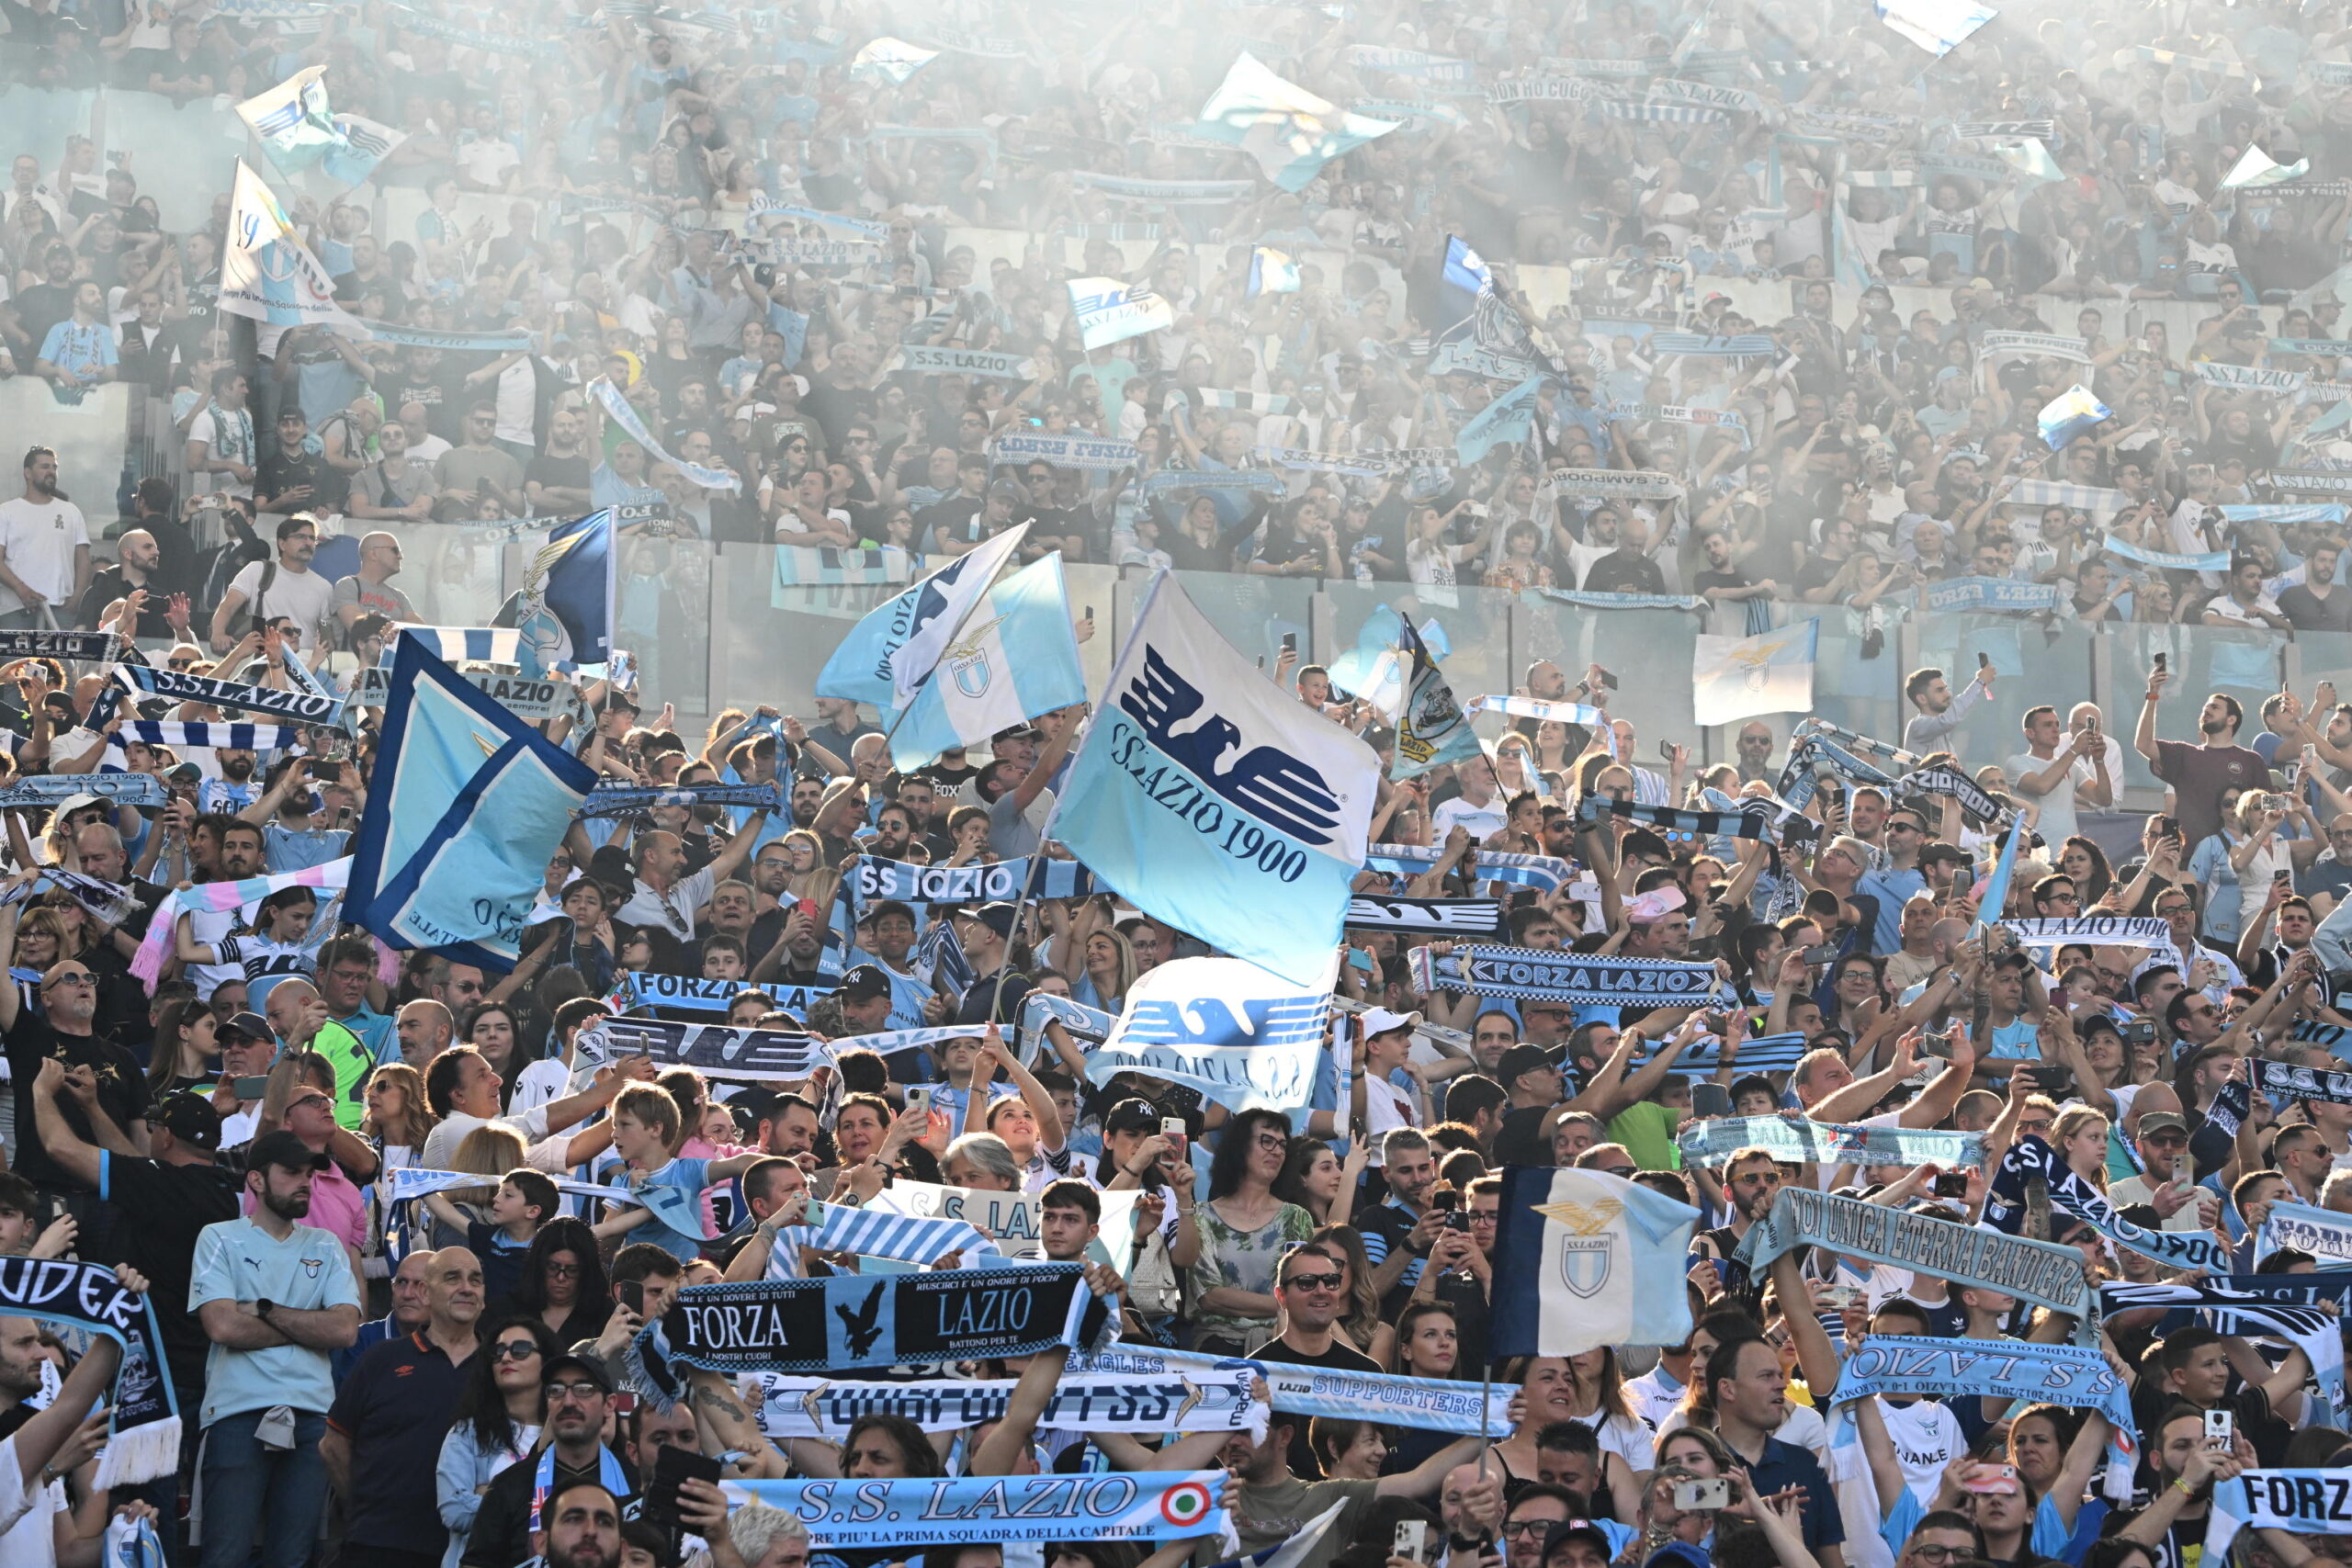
2188,1465
63,1032
286,586
44,547
276,1297
1399,1231
1307,1284
1751,1181
579,1398
583,1525
2201,774
236,789
64,1428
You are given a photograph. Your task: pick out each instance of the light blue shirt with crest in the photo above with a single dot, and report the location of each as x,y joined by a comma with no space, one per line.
236,1261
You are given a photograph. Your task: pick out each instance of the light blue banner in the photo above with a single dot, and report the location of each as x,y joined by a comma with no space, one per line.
847,1514
1423,1403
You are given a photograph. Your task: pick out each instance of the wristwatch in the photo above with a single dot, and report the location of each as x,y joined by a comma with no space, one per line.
261,1308
1465,1543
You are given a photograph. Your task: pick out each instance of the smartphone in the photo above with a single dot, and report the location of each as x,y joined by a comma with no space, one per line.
1952,1184
808,907
2160,663
2283,878
1445,1200
1704,1496
1821,955
672,1465
1412,1538
1991,1480
1983,660
1090,611
919,1098
1290,642
249,1088
1172,1128
632,1296
1608,681
1710,1098
1839,1298
2221,1428
1936,1043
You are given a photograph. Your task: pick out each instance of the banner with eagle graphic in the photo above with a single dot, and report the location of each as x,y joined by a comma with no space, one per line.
1585,1246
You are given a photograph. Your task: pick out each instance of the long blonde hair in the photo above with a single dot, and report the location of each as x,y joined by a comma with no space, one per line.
486,1151
2073,1120
416,1117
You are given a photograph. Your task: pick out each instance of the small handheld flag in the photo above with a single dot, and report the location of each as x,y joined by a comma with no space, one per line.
2070,414
1594,1260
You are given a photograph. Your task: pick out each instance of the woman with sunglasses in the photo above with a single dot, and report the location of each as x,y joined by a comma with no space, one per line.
498,1420
563,1283
1244,1231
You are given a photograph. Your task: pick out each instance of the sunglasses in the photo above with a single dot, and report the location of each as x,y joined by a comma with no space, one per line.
1313,1281
518,1350
585,1392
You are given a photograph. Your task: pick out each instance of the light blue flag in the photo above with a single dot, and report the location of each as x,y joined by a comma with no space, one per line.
890,60
1271,272
2071,413
2256,167
1507,420
1433,730
1995,900
889,655
267,274
1214,801
1937,26
299,132
1288,129
468,804
564,611
1737,678
1015,658
481,645
1109,310
1586,1253
1225,1028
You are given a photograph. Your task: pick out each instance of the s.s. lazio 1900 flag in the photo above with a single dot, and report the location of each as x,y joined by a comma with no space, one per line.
1432,729
1110,312
889,655
468,802
1737,678
267,274
1215,802
1014,658
565,608
1593,1261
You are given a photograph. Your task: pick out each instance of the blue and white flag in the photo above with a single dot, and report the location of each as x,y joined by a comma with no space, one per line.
1214,801
1014,660
889,655
1586,1254
1271,272
218,736
2322,1233
1937,26
2256,167
617,409
1433,730
300,131
1426,1404
2072,412
1011,1509
453,645
2300,1502
1111,311
1737,678
1507,420
940,960
267,274
564,612
468,803
1222,1027
1288,129
889,60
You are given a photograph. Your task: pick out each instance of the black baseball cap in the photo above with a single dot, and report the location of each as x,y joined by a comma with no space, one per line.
1522,1058
1131,1116
190,1118
864,982
558,1366
284,1150
998,917
251,1025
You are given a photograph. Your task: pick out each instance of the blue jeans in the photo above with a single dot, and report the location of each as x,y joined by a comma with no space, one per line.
245,1483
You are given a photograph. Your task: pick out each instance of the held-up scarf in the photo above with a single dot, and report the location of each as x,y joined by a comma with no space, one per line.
1797,777
1757,1053
1543,873
220,899
1799,1142
46,791
2035,1271
1856,741
847,1322
871,878
2285,1080
1531,973
889,1515
2300,1502
1755,824
630,800
36,642
690,994
143,1431
2072,1375
1090,1024
2097,931
1423,1403
2322,1233
302,707
1447,918
876,1232
228,737
109,901
2267,1303
821,1407
1539,710
717,1051
2029,1158
1956,785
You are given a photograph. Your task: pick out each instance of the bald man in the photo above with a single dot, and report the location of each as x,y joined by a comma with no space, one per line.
369,591
139,566
424,1029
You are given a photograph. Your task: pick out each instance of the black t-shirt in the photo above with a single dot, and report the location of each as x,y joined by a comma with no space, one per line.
163,1208
1303,1462
982,1002
1624,571
561,473
502,1536
278,472
122,1092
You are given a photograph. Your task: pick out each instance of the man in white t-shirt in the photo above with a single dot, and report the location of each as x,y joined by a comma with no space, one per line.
34,1512
664,896
2049,773
286,586
44,547
1478,809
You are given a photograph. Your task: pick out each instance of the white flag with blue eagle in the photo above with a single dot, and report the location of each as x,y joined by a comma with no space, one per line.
1216,802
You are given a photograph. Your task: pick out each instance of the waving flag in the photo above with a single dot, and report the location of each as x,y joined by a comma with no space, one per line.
2071,413
1288,129
1433,730
468,804
1509,420
267,274
890,60
2258,168
1271,272
1111,311
1225,1029
1015,659
564,612
1737,678
1586,1253
1215,802
299,132
889,655
1937,26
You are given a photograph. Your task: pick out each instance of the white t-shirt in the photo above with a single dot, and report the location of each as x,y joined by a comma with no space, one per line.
1926,1436
41,538
1482,822
27,1515
305,596
2055,822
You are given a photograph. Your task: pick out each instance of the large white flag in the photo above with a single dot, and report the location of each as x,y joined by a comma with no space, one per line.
268,273
1737,678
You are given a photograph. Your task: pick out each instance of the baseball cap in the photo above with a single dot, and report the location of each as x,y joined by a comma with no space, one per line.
190,1118
558,1367
1131,1116
998,917
2161,1121
1522,1058
82,802
864,984
1566,1530
1382,1021
251,1025
284,1150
